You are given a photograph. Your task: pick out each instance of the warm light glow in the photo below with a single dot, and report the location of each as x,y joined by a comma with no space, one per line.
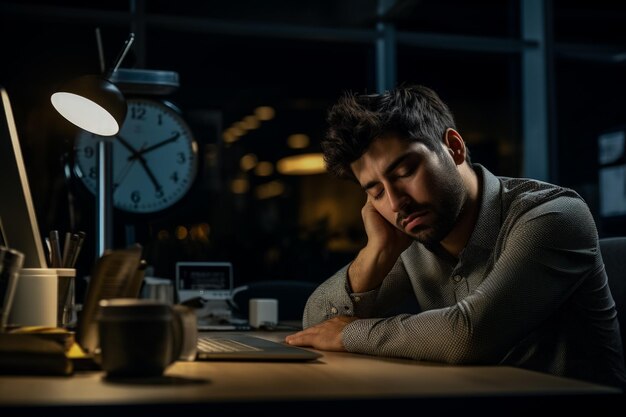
239,186
85,113
181,232
305,164
199,232
229,136
163,234
264,169
241,126
298,141
269,190
251,122
248,161
264,113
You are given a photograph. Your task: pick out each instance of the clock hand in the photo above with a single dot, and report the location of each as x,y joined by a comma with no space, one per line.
123,174
142,161
155,146
125,170
128,146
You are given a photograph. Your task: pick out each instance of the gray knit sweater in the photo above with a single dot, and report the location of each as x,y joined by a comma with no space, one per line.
528,290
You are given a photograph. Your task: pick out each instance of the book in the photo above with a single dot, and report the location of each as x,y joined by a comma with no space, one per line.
29,353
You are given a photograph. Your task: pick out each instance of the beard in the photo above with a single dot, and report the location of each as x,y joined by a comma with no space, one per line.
445,209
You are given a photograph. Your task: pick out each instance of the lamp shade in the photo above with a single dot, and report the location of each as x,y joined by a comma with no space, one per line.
91,103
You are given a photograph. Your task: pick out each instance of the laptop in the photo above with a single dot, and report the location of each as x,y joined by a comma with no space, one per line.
243,347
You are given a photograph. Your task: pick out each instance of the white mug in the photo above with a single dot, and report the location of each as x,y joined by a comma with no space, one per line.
35,298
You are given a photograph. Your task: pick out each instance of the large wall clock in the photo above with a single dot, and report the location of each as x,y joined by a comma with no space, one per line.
155,157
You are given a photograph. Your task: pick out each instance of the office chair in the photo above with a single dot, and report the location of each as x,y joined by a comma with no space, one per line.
613,251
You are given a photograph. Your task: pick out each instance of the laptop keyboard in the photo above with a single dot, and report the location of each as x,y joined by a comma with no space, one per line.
207,344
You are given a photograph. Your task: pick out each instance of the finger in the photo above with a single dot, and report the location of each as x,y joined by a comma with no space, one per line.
298,339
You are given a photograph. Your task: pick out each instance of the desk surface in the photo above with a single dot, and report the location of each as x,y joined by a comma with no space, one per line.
334,377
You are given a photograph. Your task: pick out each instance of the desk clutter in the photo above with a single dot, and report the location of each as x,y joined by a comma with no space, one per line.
130,324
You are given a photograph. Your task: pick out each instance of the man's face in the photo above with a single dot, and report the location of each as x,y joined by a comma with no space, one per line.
415,189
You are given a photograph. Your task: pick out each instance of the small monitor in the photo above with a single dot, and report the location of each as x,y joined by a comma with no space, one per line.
208,280
18,223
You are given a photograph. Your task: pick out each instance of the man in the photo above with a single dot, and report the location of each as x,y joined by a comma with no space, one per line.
504,270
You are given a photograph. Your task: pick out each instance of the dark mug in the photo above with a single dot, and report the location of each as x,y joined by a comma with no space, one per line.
141,338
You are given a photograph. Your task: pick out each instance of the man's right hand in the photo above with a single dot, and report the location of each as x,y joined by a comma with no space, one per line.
385,243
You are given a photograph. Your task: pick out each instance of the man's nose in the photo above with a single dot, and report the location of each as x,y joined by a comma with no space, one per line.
397,198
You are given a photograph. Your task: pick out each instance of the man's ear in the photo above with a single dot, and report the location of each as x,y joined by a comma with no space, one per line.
455,144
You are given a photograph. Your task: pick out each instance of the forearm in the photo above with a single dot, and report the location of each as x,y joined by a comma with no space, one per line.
335,297
370,267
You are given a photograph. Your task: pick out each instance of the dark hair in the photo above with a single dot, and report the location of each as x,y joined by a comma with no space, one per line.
415,113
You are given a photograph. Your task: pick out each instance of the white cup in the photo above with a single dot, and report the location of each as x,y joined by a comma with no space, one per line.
263,312
35,298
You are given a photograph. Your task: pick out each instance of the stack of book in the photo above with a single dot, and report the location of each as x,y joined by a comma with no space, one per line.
36,351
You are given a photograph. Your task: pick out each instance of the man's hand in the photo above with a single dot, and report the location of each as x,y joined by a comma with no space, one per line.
323,336
382,235
385,243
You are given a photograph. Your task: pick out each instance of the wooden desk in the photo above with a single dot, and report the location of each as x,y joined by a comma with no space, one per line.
335,382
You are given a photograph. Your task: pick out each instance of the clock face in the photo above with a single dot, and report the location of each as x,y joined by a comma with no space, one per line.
154,158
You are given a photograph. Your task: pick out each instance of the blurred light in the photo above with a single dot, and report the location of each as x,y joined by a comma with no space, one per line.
237,131
229,136
298,141
250,122
199,233
163,235
241,126
181,232
264,169
248,161
206,229
239,186
269,190
304,164
264,113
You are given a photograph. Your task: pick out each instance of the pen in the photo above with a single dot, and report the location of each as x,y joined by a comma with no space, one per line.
55,249
71,250
47,239
66,248
81,238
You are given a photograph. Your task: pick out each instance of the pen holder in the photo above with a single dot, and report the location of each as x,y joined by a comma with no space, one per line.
66,296
35,298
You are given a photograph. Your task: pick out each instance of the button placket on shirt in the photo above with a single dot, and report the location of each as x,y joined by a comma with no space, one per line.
461,289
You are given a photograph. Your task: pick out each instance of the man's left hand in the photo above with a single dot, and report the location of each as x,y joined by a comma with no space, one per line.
323,336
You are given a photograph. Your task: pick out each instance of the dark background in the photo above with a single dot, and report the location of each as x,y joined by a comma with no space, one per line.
298,57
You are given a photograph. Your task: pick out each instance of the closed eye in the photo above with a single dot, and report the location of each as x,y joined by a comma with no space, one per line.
379,195
405,170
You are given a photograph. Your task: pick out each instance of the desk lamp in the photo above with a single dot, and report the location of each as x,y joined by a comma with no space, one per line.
95,104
